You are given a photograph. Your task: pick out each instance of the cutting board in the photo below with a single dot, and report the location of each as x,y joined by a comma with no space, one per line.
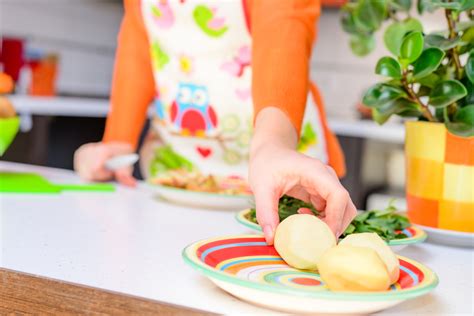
16,182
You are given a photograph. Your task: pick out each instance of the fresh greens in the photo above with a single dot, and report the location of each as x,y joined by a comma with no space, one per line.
386,223
287,206
166,159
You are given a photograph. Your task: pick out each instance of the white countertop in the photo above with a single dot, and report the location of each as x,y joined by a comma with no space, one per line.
131,243
89,107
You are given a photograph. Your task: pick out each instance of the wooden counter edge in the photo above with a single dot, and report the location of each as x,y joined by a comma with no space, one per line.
22,293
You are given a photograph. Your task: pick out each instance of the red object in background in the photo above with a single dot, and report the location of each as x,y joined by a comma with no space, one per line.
11,56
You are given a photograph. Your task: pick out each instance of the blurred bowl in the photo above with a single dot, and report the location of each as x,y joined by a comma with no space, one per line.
8,130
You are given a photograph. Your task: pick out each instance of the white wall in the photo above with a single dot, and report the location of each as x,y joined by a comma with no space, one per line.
83,32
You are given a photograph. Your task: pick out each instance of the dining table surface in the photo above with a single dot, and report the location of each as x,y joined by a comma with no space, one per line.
125,247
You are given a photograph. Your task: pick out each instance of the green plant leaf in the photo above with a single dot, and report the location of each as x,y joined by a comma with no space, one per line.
447,92
425,6
382,93
401,107
430,81
395,32
469,67
378,117
388,67
411,49
452,5
362,45
467,5
469,99
468,36
465,115
436,40
460,129
349,24
403,5
428,62
371,13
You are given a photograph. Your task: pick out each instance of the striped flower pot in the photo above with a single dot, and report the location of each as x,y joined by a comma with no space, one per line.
440,177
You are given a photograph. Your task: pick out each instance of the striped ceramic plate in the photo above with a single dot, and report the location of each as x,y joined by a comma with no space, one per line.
248,268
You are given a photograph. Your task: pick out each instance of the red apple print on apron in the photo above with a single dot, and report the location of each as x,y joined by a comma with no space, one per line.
191,112
237,65
162,14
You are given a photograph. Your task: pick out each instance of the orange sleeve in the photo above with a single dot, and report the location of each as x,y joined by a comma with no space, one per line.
133,85
282,37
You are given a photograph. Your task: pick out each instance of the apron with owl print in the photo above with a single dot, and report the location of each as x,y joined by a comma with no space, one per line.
201,53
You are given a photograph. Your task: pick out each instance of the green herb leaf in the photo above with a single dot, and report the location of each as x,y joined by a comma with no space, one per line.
388,67
428,62
411,49
447,92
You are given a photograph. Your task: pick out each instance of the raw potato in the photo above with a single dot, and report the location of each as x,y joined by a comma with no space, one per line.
373,241
350,268
301,240
6,108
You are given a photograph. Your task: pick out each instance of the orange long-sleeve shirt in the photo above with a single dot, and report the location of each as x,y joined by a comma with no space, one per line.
282,34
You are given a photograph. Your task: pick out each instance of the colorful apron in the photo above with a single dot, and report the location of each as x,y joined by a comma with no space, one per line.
201,56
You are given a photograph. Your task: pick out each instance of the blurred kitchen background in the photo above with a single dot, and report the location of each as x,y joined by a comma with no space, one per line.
61,54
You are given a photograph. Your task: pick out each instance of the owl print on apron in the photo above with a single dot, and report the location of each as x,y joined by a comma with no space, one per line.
201,57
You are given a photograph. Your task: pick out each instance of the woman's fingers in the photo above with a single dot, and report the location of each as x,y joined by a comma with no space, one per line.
349,214
321,181
124,176
266,202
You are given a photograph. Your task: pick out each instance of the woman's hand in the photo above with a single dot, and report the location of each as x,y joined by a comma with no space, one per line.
276,168
89,162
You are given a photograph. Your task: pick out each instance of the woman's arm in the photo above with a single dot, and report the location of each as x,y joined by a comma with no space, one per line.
133,85
283,33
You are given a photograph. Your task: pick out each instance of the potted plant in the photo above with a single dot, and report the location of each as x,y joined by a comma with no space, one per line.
428,77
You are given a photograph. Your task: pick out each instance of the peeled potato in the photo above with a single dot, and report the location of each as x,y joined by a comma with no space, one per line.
301,239
350,268
6,108
373,241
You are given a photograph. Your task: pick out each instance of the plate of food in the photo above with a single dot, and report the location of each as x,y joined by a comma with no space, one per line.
176,180
392,226
347,278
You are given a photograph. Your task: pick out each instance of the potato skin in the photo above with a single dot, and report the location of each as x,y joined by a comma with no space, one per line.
301,240
350,268
373,241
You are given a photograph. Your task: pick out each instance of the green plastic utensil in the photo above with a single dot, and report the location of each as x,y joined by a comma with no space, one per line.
8,129
17,182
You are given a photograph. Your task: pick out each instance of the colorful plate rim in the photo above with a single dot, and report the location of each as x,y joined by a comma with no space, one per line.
429,282
420,235
225,195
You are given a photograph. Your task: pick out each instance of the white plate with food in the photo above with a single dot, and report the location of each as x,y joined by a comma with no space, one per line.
392,226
